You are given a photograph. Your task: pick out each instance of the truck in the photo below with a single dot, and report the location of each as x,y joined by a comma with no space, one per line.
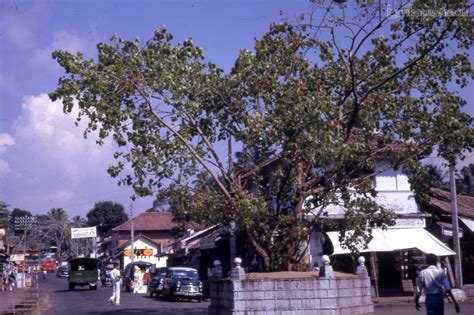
83,272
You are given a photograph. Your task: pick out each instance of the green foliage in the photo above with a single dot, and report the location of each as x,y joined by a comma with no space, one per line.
465,183
430,176
301,109
4,215
106,215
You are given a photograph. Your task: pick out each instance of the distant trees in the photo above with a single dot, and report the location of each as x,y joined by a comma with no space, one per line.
432,176
465,182
106,215
4,215
59,230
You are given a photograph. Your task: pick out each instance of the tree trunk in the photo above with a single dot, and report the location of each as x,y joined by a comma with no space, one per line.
260,251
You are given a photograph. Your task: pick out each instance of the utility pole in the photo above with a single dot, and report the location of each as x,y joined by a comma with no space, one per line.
455,224
132,234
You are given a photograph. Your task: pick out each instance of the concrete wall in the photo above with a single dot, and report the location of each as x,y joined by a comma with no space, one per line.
347,295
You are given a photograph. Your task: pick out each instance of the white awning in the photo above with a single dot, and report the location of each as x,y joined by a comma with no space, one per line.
468,222
397,239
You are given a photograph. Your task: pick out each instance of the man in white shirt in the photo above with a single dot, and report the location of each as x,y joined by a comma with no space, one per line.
434,282
116,278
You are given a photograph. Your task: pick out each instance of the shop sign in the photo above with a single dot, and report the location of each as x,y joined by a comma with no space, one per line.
139,252
449,232
84,232
410,222
17,257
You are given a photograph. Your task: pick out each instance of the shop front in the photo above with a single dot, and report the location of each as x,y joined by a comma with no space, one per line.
394,256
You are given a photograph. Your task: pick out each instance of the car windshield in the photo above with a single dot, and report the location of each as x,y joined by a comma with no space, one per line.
180,274
83,264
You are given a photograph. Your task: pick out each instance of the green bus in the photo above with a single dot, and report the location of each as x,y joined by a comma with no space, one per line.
83,272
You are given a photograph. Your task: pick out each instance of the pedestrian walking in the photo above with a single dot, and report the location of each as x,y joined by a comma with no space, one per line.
11,281
434,282
116,279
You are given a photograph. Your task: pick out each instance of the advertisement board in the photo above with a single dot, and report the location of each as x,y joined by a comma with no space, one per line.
84,232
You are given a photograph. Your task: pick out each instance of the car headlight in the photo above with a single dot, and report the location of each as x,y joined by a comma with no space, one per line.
178,285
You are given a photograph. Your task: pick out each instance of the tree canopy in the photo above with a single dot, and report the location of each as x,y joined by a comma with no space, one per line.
310,111
106,215
4,215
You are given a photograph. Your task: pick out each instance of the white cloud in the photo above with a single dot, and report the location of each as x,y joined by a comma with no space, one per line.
62,40
6,140
47,159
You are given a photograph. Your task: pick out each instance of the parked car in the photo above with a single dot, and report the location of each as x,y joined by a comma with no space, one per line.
83,272
182,282
129,273
48,264
155,287
63,271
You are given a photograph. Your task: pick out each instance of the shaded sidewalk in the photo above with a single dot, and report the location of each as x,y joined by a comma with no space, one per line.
8,299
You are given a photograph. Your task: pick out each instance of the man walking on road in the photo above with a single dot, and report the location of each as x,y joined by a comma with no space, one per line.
434,282
115,277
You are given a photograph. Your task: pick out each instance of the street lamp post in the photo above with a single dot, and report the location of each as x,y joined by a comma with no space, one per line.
132,235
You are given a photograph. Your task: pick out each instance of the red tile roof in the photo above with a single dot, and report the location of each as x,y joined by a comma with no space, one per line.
442,200
139,236
150,221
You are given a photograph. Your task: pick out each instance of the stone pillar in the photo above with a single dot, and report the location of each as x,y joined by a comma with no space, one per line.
361,269
238,273
326,269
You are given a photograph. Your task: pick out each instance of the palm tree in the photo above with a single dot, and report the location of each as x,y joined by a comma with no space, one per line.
58,214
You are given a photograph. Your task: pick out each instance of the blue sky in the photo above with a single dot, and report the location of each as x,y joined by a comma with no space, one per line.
44,162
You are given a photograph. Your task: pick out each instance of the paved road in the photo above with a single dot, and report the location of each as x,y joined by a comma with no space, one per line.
408,308
85,301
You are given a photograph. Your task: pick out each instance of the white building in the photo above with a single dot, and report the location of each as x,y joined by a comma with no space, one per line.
394,254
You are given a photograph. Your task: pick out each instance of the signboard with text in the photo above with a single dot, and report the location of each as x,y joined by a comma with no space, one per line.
84,232
17,257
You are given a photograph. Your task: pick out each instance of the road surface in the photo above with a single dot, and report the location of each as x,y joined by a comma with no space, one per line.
85,301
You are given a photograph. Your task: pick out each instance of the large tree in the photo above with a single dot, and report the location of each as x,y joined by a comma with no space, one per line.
311,110
106,215
58,229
